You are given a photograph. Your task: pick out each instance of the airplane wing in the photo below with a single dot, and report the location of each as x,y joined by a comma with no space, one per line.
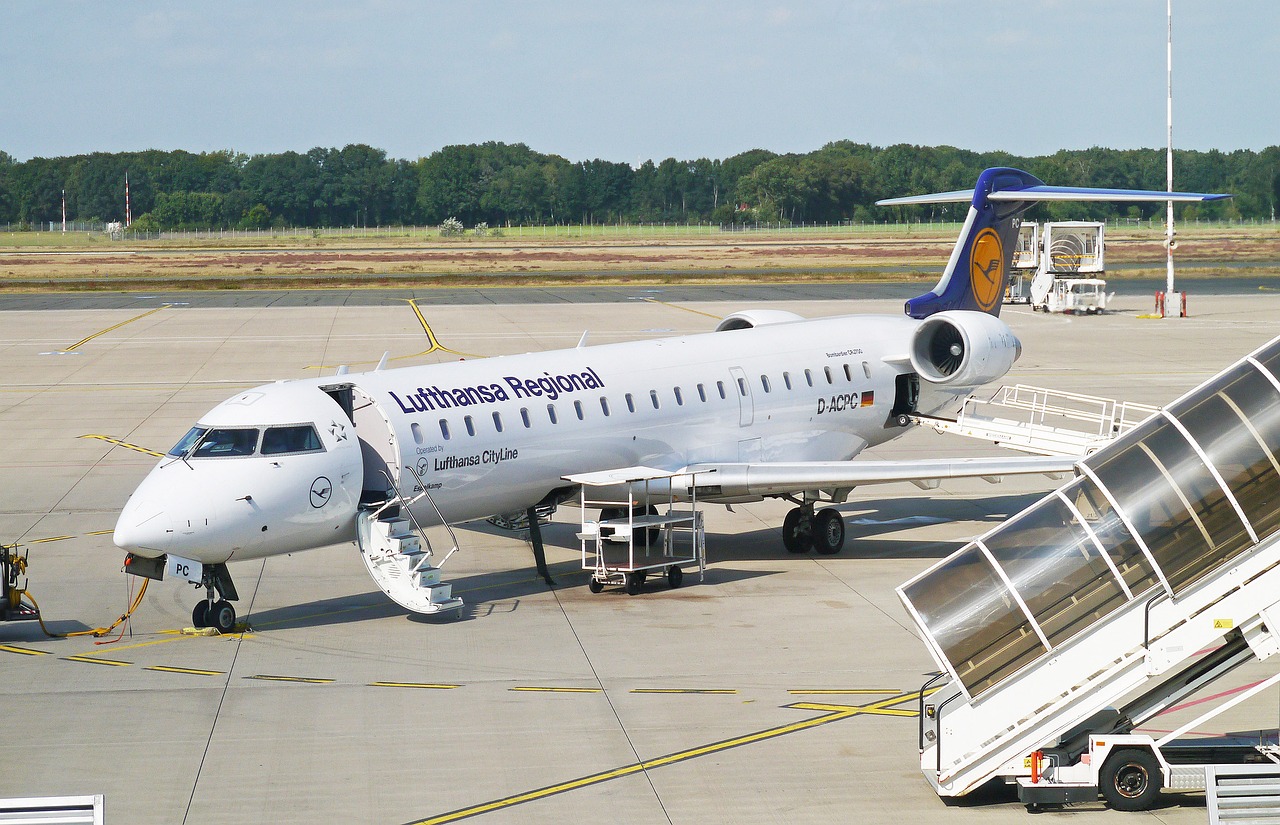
771,479
780,478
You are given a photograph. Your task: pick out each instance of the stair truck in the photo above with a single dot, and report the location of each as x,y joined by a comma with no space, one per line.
1153,574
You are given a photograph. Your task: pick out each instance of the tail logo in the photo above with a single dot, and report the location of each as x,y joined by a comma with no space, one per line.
986,269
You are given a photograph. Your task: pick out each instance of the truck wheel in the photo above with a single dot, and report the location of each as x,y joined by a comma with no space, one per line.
1131,780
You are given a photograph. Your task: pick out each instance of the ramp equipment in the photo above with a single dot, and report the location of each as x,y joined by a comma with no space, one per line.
1042,421
90,810
1067,627
632,539
15,604
397,552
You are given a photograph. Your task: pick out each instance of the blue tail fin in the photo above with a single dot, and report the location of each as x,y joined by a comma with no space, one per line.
978,271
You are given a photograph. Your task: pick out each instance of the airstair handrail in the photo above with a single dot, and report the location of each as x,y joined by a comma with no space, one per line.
449,528
920,702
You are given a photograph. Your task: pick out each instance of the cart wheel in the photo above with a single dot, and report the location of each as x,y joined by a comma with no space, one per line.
595,585
634,581
674,576
1131,780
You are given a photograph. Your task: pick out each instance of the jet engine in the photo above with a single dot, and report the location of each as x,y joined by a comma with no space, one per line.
751,318
963,348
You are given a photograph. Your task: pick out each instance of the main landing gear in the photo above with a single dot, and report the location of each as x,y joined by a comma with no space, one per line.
803,529
215,609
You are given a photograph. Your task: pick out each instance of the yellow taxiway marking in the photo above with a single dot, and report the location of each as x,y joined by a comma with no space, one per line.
708,691
686,309
50,538
191,670
303,679
92,661
557,690
841,692
25,651
89,338
436,346
830,713
168,634
423,685
100,533
120,443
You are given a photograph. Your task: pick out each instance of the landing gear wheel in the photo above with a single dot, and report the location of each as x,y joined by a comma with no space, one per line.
222,616
595,585
902,420
828,532
1131,780
634,583
674,576
795,531
200,614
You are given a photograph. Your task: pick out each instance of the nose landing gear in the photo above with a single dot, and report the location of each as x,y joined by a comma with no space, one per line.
215,610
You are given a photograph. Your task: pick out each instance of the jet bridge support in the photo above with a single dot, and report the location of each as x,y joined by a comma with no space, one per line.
1062,630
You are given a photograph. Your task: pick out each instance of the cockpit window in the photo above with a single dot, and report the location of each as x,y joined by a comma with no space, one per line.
188,441
301,438
225,443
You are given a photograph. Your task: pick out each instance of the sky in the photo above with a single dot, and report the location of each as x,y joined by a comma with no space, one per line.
634,81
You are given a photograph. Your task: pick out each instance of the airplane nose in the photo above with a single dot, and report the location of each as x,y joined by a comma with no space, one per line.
142,527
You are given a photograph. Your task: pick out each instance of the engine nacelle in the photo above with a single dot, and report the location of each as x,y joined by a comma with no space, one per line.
751,318
963,348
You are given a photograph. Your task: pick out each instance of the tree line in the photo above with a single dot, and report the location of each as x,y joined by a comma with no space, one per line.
504,184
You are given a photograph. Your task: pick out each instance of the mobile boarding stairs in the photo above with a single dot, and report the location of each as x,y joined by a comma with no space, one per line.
1151,575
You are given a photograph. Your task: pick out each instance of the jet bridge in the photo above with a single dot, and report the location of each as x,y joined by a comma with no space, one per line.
1089,613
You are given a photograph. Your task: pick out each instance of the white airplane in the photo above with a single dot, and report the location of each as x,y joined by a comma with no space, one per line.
767,405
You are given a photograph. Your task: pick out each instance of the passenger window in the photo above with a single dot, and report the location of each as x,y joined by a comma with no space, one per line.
786,379
551,412
497,421
227,443
702,393
827,370
604,405
679,397
444,429
413,428
300,439
808,377
577,408
866,369
720,386
653,396
742,387
471,426
764,382
848,374
524,416
631,403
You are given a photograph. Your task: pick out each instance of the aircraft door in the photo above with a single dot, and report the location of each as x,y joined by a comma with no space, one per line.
378,447
741,386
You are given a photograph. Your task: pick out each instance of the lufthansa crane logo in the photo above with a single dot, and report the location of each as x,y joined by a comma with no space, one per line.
321,489
986,269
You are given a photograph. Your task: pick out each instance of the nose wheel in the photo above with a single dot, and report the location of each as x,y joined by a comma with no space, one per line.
215,610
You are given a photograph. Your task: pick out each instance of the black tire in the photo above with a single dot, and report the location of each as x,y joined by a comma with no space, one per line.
828,532
674,576
903,420
792,538
1131,780
595,585
200,614
634,582
222,616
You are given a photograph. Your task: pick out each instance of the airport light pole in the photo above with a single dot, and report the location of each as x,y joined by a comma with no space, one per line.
1173,301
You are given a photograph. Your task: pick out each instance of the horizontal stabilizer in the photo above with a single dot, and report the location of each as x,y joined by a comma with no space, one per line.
1055,193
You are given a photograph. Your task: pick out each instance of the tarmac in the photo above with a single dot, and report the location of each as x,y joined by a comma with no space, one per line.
778,689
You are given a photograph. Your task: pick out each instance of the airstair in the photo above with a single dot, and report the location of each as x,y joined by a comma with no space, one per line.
398,554
1154,573
1042,421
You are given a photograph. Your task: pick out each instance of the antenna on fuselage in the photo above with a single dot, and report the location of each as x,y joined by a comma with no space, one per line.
382,363
582,342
